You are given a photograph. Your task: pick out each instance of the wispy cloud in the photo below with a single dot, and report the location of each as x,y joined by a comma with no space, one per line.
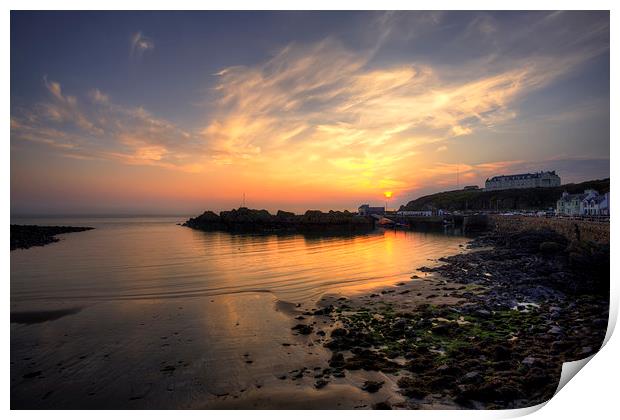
140,44
366,122
313,115
96,128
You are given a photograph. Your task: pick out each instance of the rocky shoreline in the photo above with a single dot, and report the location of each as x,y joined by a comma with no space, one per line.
244,220
27,236
488,328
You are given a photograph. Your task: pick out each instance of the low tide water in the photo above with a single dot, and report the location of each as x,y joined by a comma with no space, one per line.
143,313
154,258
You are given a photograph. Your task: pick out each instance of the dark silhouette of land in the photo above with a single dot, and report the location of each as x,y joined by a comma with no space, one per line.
511,199
251,220
26,236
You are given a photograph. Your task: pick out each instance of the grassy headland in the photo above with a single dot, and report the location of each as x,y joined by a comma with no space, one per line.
514,199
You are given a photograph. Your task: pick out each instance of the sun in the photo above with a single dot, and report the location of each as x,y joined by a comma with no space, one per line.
388,194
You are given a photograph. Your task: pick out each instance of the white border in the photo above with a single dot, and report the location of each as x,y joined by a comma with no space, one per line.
592,395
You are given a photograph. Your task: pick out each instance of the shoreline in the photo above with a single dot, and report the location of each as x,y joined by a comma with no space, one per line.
487,327
494,332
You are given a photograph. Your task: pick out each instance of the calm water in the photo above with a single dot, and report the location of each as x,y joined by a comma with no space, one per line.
162,316
147,258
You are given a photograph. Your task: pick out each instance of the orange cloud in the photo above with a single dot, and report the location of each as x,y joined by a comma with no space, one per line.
312,118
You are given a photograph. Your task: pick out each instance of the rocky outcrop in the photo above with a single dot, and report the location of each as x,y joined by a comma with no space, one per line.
251,220
527,302
26,236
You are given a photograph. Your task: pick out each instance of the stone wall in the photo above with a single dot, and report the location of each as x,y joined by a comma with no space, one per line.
588,230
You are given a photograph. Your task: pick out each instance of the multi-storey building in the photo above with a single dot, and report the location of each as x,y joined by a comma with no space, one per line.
535,180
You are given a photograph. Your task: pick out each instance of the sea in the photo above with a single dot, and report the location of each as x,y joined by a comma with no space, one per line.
142,312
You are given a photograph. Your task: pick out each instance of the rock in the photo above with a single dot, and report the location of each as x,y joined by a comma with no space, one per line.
528,361
441,329
372,386
399,324
472,377
370,360
483,313
501,352
321,383
303,329
383,405
324,311
549,247
26,236
413,387
337,360
339,332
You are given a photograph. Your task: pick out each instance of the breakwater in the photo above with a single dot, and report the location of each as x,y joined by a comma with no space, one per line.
250,220
580,230
469,223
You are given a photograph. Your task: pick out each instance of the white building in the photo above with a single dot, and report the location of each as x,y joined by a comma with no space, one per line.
595,205
367,210
569,204
535,180
590,203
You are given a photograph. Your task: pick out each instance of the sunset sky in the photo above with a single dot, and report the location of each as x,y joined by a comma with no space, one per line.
174,113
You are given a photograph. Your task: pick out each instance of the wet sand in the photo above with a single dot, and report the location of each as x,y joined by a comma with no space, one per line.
233,351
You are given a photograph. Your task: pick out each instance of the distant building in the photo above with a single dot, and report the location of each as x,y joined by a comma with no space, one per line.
569,204
535,180
595,204
366,210
590,203
415,213
471,187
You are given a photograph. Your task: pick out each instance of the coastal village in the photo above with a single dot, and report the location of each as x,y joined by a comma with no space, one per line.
590,203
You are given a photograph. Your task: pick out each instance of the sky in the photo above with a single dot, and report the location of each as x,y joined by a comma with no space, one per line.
178,112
